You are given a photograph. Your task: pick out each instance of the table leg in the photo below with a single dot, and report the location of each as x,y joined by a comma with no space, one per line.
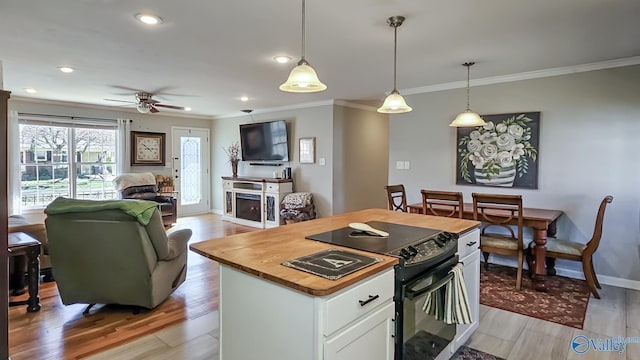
539,279
33,272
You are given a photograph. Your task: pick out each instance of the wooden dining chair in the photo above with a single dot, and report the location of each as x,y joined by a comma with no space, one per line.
397,197
442,203
507,241
576,251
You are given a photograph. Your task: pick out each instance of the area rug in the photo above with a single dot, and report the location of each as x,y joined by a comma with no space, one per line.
467,353
565,303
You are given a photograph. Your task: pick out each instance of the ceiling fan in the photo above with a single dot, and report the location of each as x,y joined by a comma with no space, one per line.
146,104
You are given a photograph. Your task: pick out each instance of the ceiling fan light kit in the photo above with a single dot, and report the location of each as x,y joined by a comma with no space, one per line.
467,118
395,103
303,78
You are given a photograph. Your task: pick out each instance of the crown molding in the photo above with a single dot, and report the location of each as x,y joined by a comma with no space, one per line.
526,75
105,108
279,108
353,105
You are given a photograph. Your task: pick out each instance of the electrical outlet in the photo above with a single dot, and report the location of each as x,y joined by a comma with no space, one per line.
322,161
407,165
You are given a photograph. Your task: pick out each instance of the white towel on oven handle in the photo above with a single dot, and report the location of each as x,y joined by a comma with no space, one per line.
456,307
434,302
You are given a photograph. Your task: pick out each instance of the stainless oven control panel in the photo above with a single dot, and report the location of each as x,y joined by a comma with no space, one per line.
427,248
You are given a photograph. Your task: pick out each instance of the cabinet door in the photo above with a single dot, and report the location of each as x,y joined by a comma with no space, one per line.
272,207
472,284
369,338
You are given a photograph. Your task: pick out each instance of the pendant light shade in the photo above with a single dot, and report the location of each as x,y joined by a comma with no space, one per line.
394,103
467,118
303,78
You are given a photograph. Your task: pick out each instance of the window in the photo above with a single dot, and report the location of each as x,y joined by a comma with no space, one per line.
48,170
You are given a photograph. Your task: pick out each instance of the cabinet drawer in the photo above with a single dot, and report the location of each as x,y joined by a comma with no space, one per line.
272,187
468,243
346,307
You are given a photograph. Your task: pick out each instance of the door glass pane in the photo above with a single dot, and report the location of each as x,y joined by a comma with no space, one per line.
191,177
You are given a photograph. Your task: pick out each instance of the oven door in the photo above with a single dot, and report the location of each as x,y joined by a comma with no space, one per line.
419,335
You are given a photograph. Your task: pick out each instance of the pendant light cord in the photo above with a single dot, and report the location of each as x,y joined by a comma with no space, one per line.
303,29
395,56
468,69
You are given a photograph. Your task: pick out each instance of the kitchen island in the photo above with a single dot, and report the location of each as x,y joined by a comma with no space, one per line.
269,311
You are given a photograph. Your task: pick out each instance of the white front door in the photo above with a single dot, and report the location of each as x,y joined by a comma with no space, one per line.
191,169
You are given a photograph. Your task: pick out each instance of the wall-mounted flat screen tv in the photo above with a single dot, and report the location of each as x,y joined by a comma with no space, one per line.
266,141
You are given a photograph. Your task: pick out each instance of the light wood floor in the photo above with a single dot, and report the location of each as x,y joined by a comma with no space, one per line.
501,333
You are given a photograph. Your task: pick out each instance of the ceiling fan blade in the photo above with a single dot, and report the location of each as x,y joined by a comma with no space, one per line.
130,90
153,109
161,90
122,101
170,106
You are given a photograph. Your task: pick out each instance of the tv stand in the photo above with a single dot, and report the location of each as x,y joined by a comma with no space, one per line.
254,201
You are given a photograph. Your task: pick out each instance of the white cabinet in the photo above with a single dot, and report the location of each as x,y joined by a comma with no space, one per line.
469,255
254,202
369,338
263,320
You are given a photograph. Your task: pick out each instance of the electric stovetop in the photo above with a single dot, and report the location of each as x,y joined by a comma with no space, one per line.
400,236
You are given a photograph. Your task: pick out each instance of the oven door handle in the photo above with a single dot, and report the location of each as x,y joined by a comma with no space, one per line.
412,294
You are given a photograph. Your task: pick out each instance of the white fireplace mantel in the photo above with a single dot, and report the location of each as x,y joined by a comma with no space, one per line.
254,201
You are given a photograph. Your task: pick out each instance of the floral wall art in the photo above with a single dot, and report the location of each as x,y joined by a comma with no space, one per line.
503,153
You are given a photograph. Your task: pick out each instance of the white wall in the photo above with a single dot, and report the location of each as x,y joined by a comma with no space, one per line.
309,122
589,129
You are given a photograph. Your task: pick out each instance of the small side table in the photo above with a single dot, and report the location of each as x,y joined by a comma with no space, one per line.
22,244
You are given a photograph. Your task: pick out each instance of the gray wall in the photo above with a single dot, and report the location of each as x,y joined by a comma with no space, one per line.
353,142
141,122
309,122
590,123
361,154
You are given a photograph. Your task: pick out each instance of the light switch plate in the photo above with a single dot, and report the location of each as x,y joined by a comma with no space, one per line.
407,165
399,165
322,161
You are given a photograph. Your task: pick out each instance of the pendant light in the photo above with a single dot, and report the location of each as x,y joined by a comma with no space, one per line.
467,118
394,103
303,78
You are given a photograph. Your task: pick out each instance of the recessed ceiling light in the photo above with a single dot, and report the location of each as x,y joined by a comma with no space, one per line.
282,59
30,90
66,69
149,19
187,108
244,99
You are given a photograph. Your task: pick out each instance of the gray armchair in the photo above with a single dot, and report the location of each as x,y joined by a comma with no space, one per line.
101,254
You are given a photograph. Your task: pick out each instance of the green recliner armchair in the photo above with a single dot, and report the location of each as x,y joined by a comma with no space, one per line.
114,252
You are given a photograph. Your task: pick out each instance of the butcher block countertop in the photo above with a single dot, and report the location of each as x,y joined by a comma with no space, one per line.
262,252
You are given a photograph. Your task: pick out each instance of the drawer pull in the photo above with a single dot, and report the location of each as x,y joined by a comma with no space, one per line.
370,299
471,243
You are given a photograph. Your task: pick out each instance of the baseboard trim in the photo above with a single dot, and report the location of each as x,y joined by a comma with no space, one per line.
216,211
604,279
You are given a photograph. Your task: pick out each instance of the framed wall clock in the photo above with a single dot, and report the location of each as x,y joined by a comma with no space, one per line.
148,148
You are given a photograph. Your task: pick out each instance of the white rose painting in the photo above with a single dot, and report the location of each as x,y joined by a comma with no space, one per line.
502,153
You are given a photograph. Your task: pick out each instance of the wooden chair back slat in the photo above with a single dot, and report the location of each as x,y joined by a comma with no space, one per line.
442,203
397,197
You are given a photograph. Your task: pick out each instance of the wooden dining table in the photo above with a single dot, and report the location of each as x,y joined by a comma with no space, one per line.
543,223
